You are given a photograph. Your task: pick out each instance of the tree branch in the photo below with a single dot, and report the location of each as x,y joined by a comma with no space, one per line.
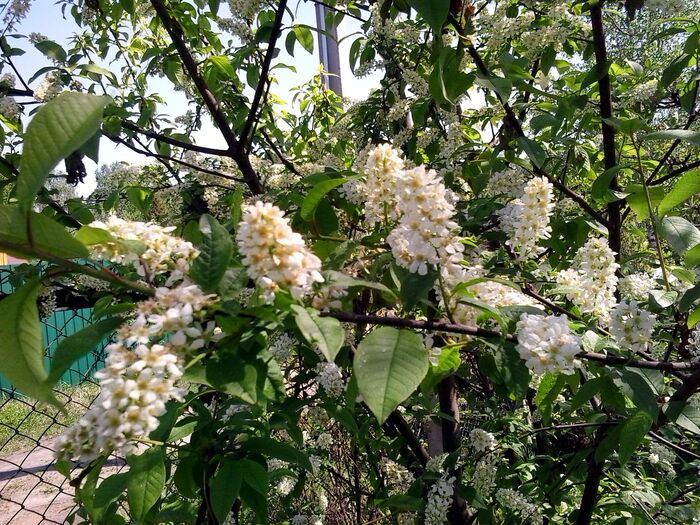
264,74
235,150
174,142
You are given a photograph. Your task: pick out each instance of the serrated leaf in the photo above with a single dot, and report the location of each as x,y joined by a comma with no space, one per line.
21,345
683,189
215,253
146,481
389,365
680,233
224,488
58,129
633,431
78,344
324,332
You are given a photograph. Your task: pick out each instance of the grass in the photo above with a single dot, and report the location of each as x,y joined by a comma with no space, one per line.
24,422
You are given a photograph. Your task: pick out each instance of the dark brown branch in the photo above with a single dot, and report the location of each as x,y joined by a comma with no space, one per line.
174,142
674,446
286,162
235,151
264,74
455,328
591,486
609,153
399,423
676,173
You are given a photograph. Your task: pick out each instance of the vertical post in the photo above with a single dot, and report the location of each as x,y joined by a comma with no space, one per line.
328,50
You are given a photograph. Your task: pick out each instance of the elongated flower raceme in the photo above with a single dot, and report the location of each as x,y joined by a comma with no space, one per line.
631,326
426,234
146,359
276,256
526,220
591,281
547,344
384,167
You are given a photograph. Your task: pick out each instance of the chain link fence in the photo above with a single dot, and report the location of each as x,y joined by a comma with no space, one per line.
31,490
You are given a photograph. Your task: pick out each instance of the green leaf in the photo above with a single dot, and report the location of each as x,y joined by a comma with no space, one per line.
78,344
684,188
637,200
692,257
597,72
109,491
277,449
140,197
685,135
694,318
680,234
59,128
346,281
638,389
501,86
533,150
434,12
224,488
448,363
52,50
146,481
326,333
689,298
224,66
305,37
633,432
312,199
414,287
47,236
254,475
389,365
21,345
215,253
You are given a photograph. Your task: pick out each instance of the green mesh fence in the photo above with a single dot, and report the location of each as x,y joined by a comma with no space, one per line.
31,490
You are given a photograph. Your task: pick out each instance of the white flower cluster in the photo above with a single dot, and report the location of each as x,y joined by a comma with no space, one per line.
516,502
526,220
637,286
642,94
562,24
509,183
398,478
35,38
329,296
436,463
354,191
163,251
484,477
50,86
243,14
482,441
16,11
324,440
592,279
439,501
667,8
631,326
502,29
9,108
140,374
547,344
330,377
274,254
281,345
384,167
426,232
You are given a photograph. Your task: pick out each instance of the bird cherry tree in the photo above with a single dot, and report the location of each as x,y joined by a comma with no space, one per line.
469,298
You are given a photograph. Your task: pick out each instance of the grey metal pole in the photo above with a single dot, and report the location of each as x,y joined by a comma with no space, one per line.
328,50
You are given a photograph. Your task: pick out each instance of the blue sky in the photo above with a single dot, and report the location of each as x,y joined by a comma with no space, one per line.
45,17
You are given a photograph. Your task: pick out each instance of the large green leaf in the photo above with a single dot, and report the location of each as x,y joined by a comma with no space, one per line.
680,233
277,449
224,488
215,253
58,129
78,344
308,207
686,135
389,365
633,432
433,11
146,482
637,199
21,345
324,332
25,233
684,188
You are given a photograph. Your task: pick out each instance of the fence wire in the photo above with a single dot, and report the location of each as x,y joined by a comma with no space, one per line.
31,490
